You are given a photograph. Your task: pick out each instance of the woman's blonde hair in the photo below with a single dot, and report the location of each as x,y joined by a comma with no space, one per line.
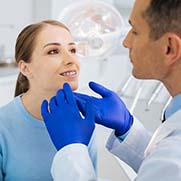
24,48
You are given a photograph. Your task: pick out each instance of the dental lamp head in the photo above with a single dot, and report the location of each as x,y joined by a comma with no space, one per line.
97,27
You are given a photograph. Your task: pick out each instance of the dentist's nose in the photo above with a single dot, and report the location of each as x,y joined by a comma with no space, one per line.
127,40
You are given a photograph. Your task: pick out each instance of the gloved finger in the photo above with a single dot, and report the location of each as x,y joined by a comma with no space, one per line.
53,104
81,103
84,97
81,100
80,96
69,94
44,109
60,98
90,112
104,92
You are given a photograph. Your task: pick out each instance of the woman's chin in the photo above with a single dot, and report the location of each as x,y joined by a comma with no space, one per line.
74,85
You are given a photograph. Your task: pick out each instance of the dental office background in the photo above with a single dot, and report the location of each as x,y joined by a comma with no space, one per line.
146,99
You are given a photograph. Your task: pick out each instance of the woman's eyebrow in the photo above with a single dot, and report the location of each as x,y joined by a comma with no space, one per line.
56,43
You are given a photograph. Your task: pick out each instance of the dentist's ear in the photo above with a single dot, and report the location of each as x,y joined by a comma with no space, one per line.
173,51
25,69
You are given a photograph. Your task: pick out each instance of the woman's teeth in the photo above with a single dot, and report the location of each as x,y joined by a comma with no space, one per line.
71,73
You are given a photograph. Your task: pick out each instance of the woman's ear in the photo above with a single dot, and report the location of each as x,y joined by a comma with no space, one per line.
24,68
173,50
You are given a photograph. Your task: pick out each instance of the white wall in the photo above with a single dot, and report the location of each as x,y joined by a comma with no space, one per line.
13,16
7,87
42,9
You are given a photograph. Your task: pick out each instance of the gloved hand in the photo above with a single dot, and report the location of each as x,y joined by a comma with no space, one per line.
110,109
64,122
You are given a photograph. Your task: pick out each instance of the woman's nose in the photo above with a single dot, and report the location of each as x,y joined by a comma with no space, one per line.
69,58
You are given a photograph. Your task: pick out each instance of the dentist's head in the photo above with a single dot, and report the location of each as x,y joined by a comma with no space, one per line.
154,41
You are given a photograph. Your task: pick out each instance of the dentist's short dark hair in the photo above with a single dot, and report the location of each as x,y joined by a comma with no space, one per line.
163,16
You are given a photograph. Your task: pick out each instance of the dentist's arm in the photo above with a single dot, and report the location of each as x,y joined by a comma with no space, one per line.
76,165
67,129
124,142
110,109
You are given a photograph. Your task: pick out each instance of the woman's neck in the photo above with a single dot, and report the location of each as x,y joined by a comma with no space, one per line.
32,102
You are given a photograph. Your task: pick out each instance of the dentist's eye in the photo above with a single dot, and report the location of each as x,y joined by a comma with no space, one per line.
73,50
134,32
54,51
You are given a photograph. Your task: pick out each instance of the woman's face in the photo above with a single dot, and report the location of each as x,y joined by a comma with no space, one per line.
54,60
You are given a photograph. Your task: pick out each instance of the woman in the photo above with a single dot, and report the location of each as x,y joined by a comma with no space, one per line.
46,56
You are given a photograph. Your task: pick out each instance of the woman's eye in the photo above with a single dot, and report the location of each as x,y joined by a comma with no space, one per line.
52,52
73,50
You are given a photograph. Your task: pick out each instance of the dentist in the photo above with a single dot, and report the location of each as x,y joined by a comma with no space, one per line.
154,42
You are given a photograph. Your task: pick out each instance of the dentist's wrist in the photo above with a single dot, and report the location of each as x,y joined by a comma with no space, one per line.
124,133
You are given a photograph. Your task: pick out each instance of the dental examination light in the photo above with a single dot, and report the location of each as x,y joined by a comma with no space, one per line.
97,27
121,90
136,98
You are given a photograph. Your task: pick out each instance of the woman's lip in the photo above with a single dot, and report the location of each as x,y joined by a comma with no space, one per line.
69,77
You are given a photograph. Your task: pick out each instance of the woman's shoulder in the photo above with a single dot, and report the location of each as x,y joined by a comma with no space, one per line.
9,110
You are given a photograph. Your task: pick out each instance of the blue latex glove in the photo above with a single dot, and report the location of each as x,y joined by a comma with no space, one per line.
63,121
110,109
